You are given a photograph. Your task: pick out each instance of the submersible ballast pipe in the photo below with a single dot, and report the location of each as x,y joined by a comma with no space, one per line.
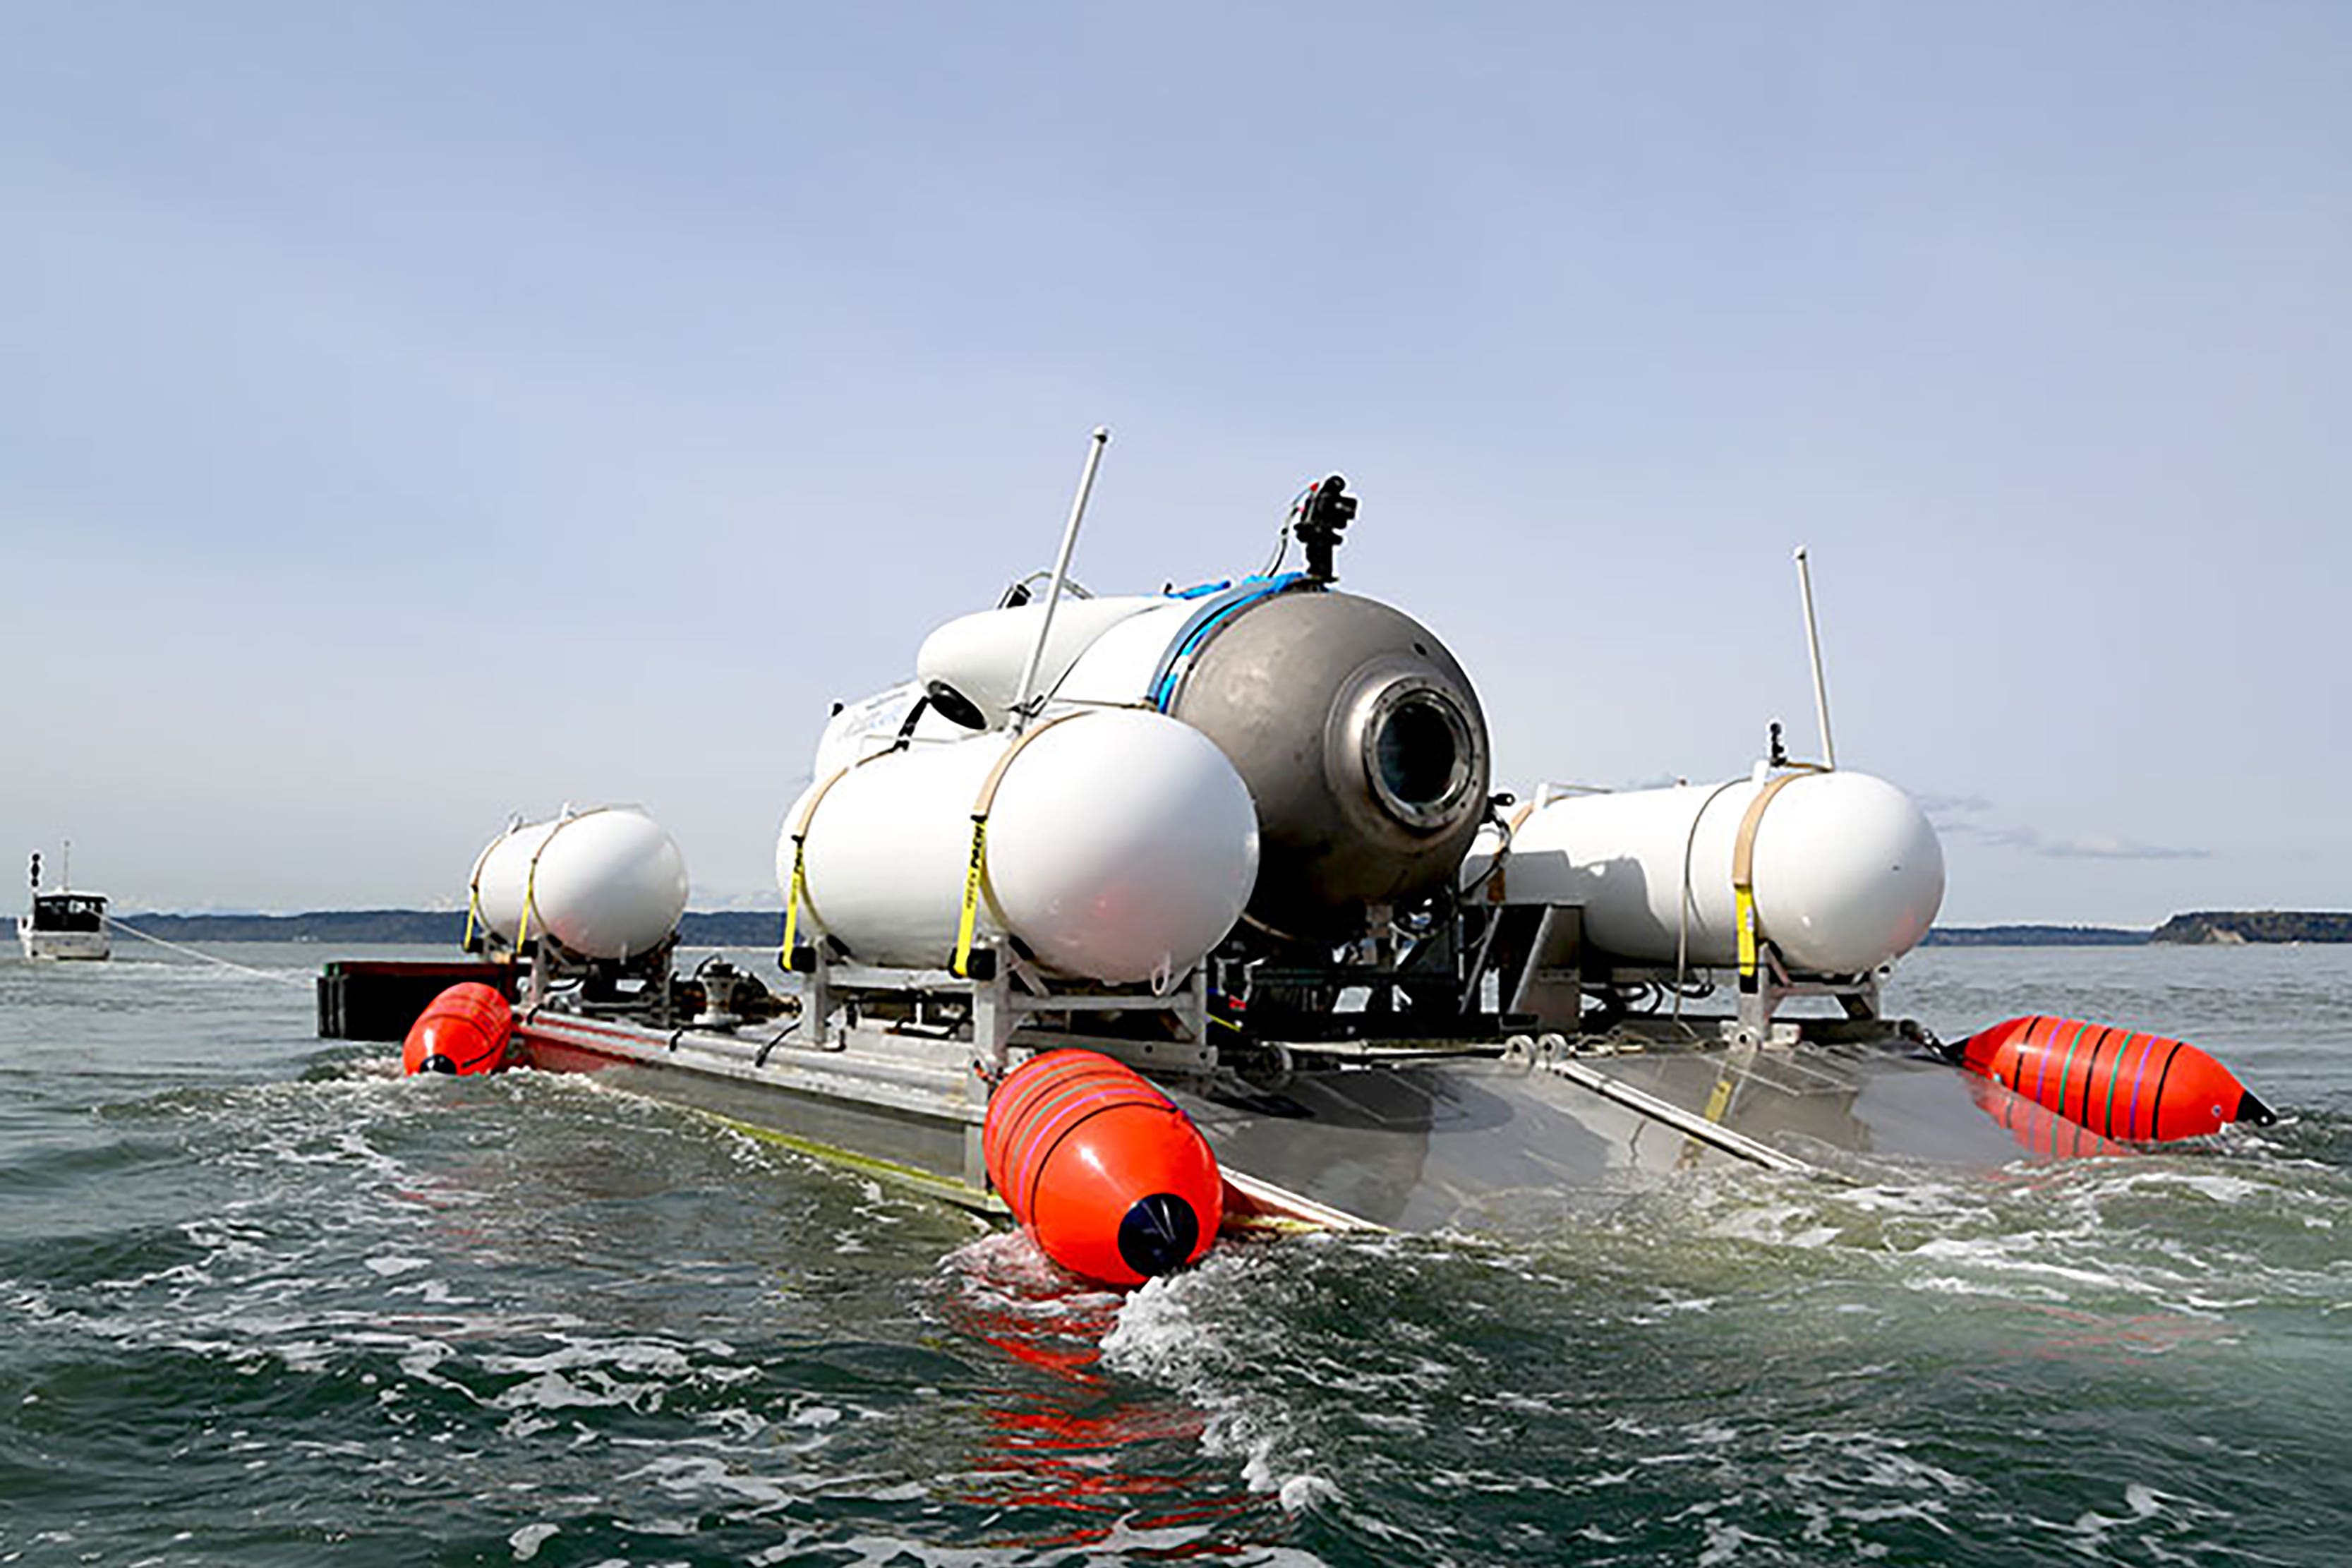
1020,710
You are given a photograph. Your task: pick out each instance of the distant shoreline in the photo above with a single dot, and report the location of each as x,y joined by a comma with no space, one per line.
2204,928
2038,936
762,927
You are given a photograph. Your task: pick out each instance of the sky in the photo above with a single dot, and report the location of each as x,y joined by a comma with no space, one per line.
415,414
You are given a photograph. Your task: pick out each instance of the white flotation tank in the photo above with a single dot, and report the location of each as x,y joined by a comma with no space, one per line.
605,883
1121,846
982,655
1845,870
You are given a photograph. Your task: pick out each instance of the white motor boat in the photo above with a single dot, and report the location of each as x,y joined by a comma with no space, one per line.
63,924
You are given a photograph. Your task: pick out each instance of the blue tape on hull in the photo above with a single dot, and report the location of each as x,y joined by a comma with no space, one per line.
1213,611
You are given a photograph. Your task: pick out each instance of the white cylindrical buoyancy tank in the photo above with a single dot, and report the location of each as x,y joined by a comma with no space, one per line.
1121,846
982,655
979,658
605,883
1845,870
1119,666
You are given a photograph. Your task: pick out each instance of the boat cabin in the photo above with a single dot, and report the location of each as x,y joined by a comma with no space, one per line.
69,913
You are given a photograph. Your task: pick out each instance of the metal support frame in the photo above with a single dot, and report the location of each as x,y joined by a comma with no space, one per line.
1547,983
1014,1011
1753,1023
551,967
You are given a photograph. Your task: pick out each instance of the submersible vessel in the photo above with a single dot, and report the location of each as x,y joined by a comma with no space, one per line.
1113,877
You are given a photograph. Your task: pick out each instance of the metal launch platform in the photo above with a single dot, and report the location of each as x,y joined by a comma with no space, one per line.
1390,1134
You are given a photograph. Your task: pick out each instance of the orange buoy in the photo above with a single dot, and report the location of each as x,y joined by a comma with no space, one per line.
1109,1176
463,1030
2118,1083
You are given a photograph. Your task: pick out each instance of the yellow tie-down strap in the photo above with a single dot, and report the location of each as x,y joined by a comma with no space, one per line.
976,864
1743,873
799,887
531,878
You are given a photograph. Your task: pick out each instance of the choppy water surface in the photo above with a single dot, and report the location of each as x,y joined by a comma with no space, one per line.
266,1302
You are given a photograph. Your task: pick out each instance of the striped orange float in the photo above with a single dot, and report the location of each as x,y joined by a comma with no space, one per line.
1109,1176
2118,1083
463,1030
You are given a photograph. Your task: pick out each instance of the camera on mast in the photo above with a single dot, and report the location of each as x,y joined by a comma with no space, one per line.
1322,517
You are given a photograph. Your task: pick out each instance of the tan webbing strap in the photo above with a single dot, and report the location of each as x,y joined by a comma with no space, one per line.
1743,874
1503,856
976,865
799,887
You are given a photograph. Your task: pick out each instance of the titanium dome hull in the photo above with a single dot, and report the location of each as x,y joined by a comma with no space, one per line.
1362,743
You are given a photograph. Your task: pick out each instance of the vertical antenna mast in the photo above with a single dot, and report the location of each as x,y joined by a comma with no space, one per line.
1814,646
1019,712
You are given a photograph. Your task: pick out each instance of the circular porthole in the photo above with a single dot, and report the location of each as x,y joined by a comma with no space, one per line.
1419,756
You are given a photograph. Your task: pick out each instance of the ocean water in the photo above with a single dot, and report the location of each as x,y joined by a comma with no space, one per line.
263,1302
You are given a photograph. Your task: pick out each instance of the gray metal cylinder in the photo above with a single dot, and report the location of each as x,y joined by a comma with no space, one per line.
1362,743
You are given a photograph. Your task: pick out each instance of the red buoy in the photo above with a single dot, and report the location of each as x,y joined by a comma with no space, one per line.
1109,1176
463,1030
2118,1083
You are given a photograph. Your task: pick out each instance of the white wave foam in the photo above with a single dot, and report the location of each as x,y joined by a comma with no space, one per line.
527,1541
1158,1336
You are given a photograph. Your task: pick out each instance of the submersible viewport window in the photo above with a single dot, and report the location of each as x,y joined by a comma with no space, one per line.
1418,755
